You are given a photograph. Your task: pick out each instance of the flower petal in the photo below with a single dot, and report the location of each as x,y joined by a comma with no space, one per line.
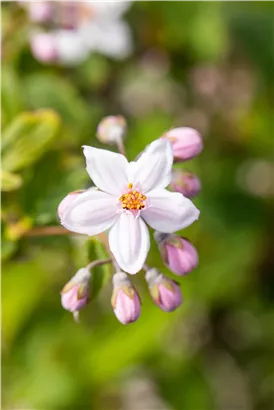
109,38
169,211
91,212
129,242
107,170
153,169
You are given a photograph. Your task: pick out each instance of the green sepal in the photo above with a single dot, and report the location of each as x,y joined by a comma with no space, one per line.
82,291
154,292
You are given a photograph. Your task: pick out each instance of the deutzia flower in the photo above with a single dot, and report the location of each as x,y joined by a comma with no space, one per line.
130,195
79,27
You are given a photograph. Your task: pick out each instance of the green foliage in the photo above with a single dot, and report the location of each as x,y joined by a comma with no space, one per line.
100,274
207,65
27,138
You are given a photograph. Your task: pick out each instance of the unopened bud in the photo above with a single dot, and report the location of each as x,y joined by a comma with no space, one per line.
75,294
186,183
164,292
112,129
178,254
125,299
68,201
39,11
186,142
44,47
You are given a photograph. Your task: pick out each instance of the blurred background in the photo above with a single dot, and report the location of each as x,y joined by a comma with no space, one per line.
207,65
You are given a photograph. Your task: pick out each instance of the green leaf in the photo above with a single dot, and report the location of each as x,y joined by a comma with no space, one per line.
10,94
10,181
27,138
100,274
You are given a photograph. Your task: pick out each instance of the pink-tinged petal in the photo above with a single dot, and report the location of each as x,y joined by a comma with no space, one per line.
107,170
169,211
129,242
153,169
90,213
44,47
68,201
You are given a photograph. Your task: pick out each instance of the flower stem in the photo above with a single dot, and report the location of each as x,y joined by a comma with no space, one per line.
48,231
121,147
98,263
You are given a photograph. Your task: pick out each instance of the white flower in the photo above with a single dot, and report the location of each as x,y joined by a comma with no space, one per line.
129,195
83,27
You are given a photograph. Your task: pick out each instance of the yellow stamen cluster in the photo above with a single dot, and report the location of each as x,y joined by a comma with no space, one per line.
133,200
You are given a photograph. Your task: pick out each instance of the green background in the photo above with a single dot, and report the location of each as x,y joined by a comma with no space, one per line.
208,65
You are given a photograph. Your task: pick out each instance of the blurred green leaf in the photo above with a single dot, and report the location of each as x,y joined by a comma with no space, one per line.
10,181
100,274
209,41
11,101
27,138
61,95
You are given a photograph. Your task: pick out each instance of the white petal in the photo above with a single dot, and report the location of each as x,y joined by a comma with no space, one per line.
153,169
169,211
107,170
129,242
109,10
91,212
70,46
111,38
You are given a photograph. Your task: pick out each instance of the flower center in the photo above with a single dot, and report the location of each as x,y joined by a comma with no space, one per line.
132,200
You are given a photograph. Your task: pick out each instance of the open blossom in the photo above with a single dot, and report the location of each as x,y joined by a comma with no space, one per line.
80,27
129,196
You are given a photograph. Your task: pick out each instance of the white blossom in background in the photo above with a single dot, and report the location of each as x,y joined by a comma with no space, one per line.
78,28
129,196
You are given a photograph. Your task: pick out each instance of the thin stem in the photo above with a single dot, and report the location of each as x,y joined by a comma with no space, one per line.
121,147
48,231
98,263
146,267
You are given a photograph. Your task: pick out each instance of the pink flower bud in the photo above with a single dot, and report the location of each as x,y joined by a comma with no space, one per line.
178,254
164,292
75,294
186,143
44,48
112,129
67,202
40,11
186,183
125,299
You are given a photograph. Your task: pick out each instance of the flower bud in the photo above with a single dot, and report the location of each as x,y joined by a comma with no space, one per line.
44,48
186,142
186,183
125,299
112,129
38,11
75,294
178,254
68,201
164,292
